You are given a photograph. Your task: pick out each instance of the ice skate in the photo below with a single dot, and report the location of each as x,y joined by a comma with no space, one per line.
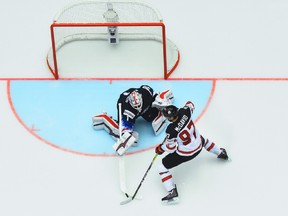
223,155
171,198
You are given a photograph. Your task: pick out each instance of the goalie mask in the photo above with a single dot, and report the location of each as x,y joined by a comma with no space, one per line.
135,100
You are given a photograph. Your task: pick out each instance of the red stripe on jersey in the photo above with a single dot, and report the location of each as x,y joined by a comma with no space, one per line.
188,102
170,148
166,178
211,146
190,152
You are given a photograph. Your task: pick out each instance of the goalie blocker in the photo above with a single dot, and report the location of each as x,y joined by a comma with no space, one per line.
125,141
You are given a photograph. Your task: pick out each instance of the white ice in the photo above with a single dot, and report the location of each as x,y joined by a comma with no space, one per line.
217,39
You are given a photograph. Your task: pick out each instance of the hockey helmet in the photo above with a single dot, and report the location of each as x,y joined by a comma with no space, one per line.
135,100
170,111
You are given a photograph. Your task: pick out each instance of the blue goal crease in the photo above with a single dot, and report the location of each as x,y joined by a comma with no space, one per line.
62,111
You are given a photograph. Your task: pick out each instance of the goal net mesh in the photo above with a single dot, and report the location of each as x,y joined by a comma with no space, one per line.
141,35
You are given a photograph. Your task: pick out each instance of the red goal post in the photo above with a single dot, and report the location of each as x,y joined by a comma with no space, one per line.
86,21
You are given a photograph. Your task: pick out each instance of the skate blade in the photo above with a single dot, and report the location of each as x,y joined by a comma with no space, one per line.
171,201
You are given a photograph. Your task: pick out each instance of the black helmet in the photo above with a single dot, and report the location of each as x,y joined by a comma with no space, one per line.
170,111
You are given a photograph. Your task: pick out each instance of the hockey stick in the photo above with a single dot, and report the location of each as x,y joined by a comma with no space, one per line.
134,195
122,176
122,171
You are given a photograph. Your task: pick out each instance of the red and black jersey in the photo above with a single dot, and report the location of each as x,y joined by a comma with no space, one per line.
181,135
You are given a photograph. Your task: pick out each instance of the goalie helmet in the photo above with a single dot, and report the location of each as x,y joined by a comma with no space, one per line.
135,100
170,111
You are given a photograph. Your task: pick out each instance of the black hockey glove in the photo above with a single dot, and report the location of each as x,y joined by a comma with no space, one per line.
159,150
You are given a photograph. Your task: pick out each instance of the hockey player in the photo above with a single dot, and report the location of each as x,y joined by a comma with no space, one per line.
133,103
182,143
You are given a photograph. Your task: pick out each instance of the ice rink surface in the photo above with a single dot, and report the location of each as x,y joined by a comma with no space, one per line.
240,45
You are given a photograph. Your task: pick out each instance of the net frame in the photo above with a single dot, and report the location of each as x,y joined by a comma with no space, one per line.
57,46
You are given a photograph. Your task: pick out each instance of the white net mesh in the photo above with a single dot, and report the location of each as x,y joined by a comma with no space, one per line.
79,14
92,11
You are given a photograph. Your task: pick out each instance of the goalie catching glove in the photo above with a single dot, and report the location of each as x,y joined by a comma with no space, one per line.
163,99
125,141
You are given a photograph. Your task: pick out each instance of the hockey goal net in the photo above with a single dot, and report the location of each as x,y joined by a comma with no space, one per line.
94,39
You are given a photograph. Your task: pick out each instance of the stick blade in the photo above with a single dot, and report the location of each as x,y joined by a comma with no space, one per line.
126,201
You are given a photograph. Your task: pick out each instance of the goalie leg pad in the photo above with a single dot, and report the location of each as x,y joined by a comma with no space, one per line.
127,139
136,135
103,121
159,123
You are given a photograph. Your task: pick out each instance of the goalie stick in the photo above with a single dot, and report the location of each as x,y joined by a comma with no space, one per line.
134,195
122,171
122,176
